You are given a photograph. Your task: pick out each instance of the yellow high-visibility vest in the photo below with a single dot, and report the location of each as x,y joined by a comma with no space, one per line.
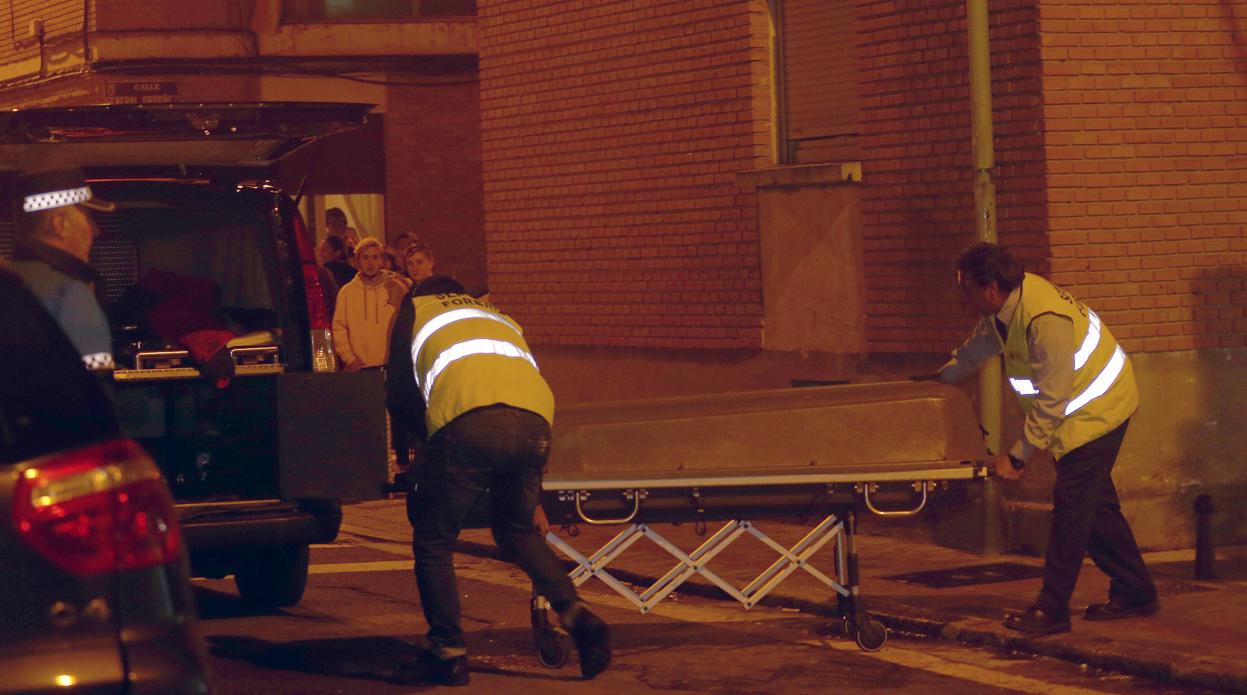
467,355
1104,393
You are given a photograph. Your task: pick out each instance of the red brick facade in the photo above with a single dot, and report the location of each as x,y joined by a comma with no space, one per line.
918,194
611,133
1145,108
433,173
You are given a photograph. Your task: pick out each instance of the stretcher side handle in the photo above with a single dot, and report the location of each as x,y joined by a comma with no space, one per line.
922,503
636,507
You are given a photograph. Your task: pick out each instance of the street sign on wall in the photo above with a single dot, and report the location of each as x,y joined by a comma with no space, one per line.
141,92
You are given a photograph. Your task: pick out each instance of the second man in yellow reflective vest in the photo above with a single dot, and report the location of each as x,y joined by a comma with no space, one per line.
1077,388
487,414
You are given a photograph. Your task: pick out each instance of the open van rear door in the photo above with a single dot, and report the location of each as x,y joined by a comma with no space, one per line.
173,135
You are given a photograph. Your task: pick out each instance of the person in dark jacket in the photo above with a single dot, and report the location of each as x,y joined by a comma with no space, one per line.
38,372
55,235
333,256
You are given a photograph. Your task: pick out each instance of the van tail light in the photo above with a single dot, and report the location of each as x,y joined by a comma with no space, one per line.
323,359
102,508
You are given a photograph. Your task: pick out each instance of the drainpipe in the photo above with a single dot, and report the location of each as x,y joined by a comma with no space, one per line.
985,228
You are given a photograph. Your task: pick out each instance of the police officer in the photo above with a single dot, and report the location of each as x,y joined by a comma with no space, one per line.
1077,387
55,234
487,412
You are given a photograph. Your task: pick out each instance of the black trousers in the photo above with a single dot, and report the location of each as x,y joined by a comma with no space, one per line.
497,451
1087,519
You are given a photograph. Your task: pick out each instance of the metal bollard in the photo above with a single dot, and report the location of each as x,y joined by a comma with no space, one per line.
1205,554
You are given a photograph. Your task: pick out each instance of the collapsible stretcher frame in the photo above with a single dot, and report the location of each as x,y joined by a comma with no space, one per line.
585,485
837,526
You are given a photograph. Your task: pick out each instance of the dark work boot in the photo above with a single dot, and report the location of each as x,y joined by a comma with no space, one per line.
430,669
593,642
1114,610
1036,621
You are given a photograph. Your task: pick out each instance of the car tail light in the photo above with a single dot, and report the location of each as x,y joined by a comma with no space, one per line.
97,509
323,359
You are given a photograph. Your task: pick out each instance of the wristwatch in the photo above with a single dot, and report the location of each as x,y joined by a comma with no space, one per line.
1018,464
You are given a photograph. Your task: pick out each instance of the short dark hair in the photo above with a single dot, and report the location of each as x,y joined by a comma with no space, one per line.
335,242
418,247
985,263
439,284
335,212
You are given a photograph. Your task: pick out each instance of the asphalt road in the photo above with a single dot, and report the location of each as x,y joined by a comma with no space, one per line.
361,615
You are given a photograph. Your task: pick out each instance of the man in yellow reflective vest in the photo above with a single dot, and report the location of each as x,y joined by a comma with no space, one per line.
487,411
1077,388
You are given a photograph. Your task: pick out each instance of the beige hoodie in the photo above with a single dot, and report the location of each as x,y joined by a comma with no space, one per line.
363,316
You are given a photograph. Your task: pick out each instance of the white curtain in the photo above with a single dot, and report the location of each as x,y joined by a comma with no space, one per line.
368,212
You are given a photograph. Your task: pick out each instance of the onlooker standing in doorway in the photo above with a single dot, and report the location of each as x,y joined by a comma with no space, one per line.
335,225
55,235
418,263
332,255
400,380
401,244
365,309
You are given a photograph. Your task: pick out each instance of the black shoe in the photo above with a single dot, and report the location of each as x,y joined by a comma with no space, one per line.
430,669
593,642
1036,621
1115,609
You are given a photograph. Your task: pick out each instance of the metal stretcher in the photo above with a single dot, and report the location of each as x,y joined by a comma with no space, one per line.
823,453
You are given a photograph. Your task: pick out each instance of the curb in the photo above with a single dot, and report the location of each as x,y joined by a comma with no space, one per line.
912,623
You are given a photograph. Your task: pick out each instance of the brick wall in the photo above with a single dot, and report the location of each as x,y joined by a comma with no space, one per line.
917,195
62,20
433,173
112,15
1146,104
610,137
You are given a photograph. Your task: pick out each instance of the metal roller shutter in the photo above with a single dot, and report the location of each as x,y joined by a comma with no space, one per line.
820,95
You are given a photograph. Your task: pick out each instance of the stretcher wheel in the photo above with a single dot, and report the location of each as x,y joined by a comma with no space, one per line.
871,635
553,647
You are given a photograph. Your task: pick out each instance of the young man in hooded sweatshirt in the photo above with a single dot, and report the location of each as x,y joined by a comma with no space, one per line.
365,310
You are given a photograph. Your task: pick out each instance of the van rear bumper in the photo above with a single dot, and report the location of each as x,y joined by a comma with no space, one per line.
234,526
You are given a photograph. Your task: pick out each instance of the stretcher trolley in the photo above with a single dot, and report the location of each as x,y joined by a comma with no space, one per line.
821,453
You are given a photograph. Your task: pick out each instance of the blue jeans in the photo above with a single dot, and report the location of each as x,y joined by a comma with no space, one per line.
497,451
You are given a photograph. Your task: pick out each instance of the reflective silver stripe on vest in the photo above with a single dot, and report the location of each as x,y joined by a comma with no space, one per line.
1089,342
1024,387
442,320
1100,386
476,346
98,361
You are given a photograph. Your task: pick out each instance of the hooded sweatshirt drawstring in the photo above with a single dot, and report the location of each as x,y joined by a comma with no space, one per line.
362,318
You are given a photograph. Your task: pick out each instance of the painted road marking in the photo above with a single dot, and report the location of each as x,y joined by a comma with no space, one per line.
381,566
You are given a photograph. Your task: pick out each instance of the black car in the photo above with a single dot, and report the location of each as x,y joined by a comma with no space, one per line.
94,594
202,237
